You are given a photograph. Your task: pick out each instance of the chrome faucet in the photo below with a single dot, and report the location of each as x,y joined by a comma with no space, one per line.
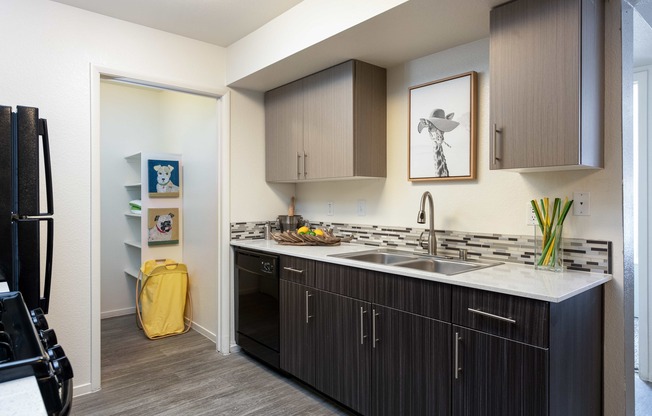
421,219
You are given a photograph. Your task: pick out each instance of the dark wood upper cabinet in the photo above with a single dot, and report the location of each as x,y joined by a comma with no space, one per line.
329,125
546,85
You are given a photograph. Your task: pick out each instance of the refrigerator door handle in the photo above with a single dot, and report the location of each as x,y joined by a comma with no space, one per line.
44,301
47,166
43,132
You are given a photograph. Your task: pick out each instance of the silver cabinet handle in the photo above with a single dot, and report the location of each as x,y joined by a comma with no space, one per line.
373,328
305,174
495,137
308,316
298,165
290,269
362,335
492,316
457,355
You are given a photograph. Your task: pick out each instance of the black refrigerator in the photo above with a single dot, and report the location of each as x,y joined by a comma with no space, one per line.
24,164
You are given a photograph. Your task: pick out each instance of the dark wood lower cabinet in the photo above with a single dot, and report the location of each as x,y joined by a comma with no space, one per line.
497,376
297,331
411,364
342,350
470,353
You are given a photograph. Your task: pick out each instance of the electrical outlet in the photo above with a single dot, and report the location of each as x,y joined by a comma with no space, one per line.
362,207
531,218
330,207
581,203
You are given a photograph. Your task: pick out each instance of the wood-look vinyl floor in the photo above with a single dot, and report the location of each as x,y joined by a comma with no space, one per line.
184,375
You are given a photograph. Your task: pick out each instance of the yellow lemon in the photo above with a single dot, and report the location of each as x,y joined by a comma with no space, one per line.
319,231
303,230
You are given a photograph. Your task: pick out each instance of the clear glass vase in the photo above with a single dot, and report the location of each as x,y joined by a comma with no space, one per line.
551,257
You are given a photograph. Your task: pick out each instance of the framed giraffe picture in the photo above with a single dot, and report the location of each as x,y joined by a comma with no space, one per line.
442,129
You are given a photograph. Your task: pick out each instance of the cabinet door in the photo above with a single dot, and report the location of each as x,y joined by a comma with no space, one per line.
342,350
328,122
284,132
534,82
411,364
496,376
297,330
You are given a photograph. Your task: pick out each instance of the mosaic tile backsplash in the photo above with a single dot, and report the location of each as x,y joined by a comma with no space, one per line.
578,254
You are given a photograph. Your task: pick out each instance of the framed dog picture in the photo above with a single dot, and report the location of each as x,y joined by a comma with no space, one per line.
163,178
442,129
162,226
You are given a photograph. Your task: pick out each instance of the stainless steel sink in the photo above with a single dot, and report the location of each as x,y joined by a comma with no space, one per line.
430,264
380,256
442,266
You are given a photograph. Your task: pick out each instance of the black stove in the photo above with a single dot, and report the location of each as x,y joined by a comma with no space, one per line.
28,347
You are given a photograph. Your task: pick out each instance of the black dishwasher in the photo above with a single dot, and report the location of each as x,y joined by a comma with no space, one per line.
257,305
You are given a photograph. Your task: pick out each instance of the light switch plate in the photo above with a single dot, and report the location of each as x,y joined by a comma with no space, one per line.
362,207
330,207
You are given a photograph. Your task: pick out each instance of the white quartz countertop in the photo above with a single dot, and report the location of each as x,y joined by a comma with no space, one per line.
21,397
507,278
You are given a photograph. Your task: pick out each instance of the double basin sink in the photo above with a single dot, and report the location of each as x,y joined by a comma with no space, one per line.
434,264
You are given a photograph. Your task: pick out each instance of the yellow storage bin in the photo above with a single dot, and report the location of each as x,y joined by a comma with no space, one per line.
162,296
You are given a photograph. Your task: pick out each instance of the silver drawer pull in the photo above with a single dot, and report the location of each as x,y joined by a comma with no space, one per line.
290,269
457,355
374,340
308,316
495,131
362,335
491,315
298,166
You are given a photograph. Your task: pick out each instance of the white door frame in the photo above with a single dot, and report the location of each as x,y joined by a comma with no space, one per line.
644,226
224,287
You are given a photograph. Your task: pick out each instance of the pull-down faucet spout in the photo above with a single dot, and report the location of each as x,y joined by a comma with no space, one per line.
421,219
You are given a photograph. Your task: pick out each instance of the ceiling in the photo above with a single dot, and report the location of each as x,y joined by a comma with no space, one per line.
414,29
220,22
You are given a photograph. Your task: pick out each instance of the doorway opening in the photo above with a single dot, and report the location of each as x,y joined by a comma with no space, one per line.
131,116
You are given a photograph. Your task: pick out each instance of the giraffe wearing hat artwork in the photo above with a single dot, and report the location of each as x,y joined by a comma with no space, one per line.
438,123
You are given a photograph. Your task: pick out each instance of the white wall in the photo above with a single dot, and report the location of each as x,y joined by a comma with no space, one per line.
252,199
130,124
49,49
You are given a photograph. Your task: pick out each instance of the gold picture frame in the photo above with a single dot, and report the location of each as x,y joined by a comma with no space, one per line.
442,129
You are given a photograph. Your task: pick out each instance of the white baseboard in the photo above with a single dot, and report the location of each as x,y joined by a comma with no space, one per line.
203,331
118,312
81,390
